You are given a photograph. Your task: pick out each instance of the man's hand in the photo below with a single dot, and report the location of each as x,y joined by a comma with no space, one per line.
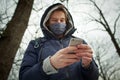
86,53
63,57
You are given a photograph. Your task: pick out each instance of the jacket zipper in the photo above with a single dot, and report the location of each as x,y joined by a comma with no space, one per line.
66,68
61,43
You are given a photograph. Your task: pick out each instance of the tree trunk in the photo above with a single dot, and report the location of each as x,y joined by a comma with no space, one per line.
13,34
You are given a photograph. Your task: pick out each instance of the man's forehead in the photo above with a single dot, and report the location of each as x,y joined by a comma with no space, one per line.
57,17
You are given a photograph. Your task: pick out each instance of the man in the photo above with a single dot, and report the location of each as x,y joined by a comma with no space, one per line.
54,60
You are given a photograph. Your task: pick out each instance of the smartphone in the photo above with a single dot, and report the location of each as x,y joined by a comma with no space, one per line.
75,41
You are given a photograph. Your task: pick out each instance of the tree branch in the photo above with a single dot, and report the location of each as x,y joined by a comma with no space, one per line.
100,11
112,72
115,23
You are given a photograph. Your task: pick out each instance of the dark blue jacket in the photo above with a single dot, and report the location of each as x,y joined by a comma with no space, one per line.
31,67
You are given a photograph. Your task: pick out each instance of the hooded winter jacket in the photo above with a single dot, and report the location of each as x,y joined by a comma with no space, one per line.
32,64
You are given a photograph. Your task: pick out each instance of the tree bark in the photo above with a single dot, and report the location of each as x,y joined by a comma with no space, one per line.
13,34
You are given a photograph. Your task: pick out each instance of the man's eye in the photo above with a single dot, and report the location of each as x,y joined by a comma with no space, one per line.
62,20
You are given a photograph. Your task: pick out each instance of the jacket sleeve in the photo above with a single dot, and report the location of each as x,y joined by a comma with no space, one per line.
90,73
30,68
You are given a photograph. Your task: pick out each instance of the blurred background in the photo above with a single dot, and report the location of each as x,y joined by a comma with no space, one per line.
97,21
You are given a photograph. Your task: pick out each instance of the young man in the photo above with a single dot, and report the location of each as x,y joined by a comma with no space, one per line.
54,60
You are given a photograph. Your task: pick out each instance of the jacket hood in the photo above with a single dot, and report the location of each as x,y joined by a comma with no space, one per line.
70,25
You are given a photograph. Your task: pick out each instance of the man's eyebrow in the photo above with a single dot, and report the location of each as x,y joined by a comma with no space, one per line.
62,18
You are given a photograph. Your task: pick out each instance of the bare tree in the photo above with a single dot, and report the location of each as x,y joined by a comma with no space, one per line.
102,20
4,17
108,64
12,36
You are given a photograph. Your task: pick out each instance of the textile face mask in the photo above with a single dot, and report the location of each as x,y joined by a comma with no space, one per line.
58,28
